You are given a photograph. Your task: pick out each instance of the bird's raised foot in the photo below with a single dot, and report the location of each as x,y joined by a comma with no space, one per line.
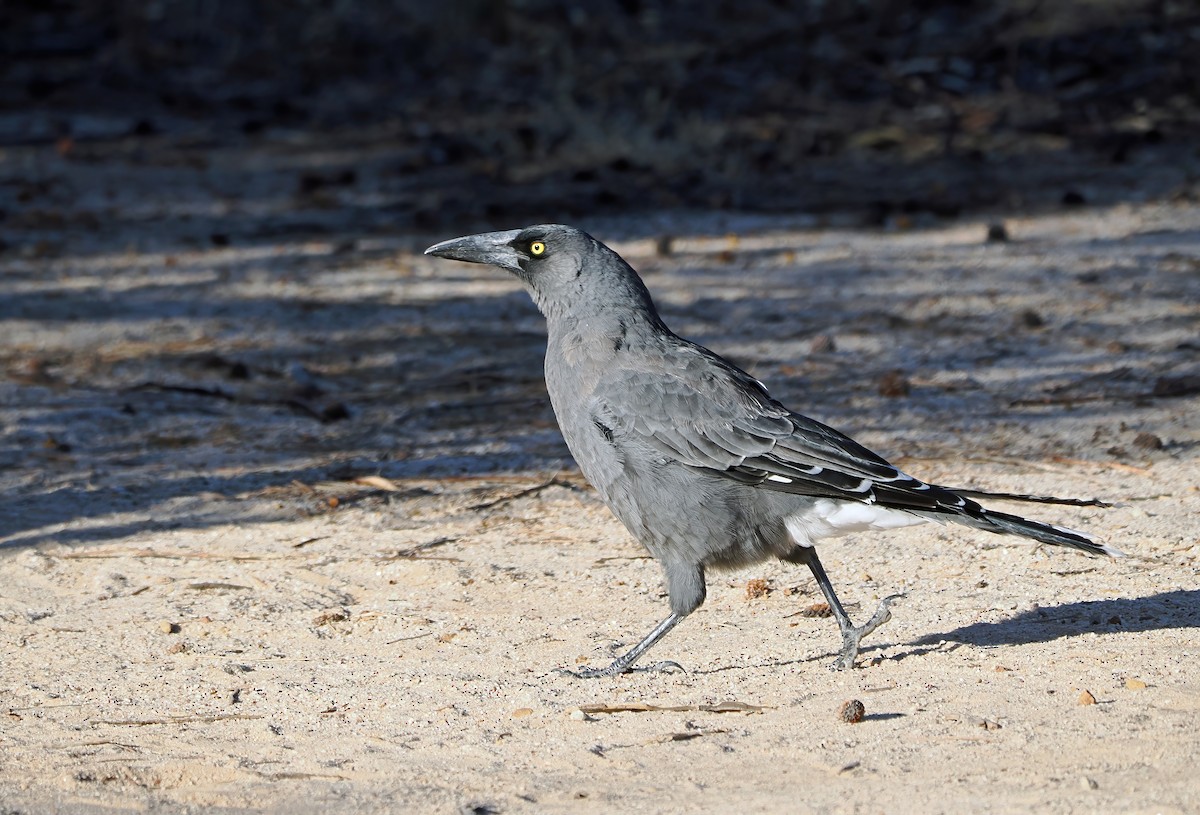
618,667
851,636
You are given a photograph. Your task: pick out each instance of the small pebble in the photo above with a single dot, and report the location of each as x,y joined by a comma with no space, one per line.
1147,441
894,384
1031,319
1135,684
852,711
1086,698
168,627
997,233
822,344
1088,783
522,712
578,715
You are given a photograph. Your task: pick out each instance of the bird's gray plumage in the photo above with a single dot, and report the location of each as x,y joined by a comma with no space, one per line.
691,453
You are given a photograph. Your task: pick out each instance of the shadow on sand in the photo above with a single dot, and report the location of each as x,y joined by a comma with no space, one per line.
1172,609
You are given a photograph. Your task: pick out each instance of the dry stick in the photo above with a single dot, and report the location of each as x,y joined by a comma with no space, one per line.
603,561
501,478
413,637
412,551
96,743
215,393
1067,399
178,720
292,776
298,405
728,706
554,481
1112,465
147,553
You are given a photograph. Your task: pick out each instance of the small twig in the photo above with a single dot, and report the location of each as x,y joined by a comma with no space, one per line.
604,561
413,637
502,478
295,404
96,743
688,735
412,551
215,393
292,776
146,553
1071,400
728,706
1115,375
1100,397
554,481
178,720
1113,465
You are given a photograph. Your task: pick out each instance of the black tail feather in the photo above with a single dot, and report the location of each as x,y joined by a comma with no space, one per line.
1032,499
1004,523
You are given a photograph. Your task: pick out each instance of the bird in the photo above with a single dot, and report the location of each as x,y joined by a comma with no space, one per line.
694,456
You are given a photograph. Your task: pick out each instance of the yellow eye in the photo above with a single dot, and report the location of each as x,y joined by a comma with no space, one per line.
537,248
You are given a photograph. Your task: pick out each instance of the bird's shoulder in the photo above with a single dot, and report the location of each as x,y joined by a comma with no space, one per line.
679,381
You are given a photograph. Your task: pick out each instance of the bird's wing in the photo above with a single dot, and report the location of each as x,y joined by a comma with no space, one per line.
705,413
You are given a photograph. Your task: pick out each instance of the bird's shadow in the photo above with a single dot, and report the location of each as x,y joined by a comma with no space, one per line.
1171,609
1166,610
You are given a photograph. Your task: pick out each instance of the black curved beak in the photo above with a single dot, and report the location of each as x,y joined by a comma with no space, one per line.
494,248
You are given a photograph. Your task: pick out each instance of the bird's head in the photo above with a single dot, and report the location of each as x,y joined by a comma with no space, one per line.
565,269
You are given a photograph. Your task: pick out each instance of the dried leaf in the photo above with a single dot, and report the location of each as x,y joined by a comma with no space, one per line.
378,482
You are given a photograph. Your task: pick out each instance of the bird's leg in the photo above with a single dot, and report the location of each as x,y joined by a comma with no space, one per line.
851,635
624,663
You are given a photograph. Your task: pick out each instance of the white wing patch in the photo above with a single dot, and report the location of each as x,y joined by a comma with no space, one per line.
828,518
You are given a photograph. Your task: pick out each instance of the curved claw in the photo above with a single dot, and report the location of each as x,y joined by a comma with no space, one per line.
852,635
665,666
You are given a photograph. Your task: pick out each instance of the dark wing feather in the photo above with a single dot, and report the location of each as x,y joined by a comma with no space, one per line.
705,413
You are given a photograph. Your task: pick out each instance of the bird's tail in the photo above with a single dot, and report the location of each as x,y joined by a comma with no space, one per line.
1005,524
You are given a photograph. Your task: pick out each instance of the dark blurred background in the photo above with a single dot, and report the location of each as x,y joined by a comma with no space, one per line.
528,107
209,211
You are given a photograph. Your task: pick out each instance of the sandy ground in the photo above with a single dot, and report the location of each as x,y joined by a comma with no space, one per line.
287,525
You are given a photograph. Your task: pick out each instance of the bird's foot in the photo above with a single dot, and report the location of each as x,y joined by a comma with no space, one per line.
620,667
851,635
